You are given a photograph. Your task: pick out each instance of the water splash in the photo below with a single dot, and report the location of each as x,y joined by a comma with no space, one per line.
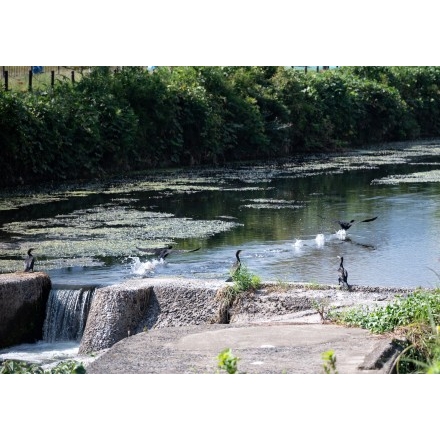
146,268
320,240
341,234
298,244
46,354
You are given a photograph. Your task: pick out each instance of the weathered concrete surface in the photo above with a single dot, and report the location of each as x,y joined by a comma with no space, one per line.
264,349
138,304
23,299
299,302
142,304
180,331
114,313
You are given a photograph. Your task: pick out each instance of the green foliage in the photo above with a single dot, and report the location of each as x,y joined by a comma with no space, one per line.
416,318
322,307
418,307
135,119
21,367
329,359
67,367
244,280
227,361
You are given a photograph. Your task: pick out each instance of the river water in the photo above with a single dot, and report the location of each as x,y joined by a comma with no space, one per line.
282,215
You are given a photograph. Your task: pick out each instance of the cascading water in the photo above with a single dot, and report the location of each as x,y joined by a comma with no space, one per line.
66,314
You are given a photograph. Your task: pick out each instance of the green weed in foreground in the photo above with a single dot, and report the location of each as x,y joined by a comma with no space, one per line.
227,361
244,280
418,307
329,359
415,319
21,367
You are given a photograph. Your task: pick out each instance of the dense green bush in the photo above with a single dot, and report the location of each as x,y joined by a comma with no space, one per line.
135,119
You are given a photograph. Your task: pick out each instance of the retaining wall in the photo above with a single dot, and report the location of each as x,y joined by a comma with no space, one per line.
23,299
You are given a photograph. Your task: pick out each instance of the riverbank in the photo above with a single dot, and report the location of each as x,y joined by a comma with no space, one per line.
277,329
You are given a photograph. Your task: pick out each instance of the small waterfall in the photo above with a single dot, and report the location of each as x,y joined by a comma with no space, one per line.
66,314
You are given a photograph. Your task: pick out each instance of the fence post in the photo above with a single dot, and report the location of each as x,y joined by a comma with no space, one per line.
52,78
6,75
73,76
30,80
305,69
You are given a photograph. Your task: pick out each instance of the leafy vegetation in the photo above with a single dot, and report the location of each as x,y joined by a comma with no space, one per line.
418,307
243,281
329,359
414,319
227,361
134,119
21,367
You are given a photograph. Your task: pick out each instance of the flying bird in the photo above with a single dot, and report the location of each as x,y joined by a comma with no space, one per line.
347,225
29,262
343,274
164,252
235,267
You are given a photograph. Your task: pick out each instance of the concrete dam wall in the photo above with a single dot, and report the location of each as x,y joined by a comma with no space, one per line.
23,299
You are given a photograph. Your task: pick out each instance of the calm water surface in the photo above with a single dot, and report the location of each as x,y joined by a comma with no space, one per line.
281,215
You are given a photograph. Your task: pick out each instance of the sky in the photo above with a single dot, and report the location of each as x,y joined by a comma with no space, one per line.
227,32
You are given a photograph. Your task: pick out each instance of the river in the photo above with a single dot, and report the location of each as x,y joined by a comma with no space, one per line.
282,215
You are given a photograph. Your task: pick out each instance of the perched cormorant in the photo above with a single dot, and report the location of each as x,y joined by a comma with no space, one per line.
343,274
162,253
235,267
29,262
348,225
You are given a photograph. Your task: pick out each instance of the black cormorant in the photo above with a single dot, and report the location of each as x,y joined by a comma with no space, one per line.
235,267
348,225
29,262
162,253
343,274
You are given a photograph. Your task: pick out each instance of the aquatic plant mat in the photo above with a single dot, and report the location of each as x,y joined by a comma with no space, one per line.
128,216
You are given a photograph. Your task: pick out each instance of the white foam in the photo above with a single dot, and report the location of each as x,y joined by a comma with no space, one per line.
320,240
298,244
341,234
43,353
143,268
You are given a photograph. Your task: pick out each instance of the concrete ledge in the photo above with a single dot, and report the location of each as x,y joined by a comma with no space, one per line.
128,308
23,299
138,305
261,349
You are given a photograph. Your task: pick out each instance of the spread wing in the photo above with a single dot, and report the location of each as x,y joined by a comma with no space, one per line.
164,252
369,219
153,251
182,251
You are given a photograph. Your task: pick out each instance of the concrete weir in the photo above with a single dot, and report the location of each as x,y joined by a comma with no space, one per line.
124,309
23,298
136,306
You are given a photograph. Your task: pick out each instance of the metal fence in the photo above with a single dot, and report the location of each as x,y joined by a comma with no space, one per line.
17,71
23,78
